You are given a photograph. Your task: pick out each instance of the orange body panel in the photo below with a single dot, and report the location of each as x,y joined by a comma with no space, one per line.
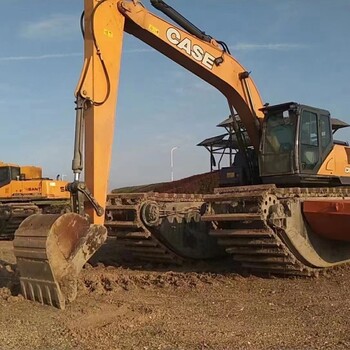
329,218
32,172
49,189
337,162
33,185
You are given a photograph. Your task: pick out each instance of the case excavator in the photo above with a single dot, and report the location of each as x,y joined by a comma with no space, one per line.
285,209
23,192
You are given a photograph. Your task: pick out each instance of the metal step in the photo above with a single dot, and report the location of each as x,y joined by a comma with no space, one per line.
121,235
240,232
245,189
249,242
261,260
122,207
123,224
126,195
225,197
257,251
231,217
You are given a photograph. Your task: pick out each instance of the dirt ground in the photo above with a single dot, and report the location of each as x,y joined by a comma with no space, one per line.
124,308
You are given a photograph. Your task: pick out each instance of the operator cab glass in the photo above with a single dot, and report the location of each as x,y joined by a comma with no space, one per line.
7,174
295,141
278,146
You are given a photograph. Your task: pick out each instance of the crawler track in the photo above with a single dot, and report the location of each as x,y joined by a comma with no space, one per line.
12,213
125,224
155,227
11,216
262,227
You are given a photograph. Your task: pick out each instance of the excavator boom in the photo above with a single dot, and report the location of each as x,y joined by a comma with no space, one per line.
105,24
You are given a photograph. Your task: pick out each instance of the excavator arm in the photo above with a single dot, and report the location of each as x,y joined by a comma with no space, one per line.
52,249
105,24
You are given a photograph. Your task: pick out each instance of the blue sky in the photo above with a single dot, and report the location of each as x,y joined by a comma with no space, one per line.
296,49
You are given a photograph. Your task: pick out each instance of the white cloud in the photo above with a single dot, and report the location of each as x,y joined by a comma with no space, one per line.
39,57
139,50
276,46
61,55
56,26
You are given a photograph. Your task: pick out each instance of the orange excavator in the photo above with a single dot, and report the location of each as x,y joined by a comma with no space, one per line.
285,208
23,192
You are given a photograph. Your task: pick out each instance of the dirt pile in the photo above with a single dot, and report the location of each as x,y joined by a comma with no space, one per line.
200,183
111,279
127,308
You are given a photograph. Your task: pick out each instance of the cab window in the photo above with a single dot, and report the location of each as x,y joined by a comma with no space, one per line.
280,132
325,128
5,177
309,140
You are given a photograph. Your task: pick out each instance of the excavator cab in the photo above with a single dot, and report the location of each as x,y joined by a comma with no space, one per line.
296,140
8,173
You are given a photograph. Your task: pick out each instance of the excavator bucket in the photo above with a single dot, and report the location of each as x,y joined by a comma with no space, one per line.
51,250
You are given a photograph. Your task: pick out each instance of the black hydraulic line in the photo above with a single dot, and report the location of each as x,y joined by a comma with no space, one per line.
82,29
243,76
224,46
180,20
77,162
242,145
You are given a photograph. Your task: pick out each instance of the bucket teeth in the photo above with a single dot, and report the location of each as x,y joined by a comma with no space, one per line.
45,293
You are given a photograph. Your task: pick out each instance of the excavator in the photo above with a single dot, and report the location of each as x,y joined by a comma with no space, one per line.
286,212
24,192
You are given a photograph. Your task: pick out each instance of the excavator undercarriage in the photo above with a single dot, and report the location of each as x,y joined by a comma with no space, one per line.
265,229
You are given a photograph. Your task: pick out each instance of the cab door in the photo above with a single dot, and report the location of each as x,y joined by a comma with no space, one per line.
315,139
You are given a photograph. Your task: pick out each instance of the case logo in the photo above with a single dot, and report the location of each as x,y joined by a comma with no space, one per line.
192,50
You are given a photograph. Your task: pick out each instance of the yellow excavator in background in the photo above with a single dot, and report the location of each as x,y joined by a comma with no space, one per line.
23,192
287,211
